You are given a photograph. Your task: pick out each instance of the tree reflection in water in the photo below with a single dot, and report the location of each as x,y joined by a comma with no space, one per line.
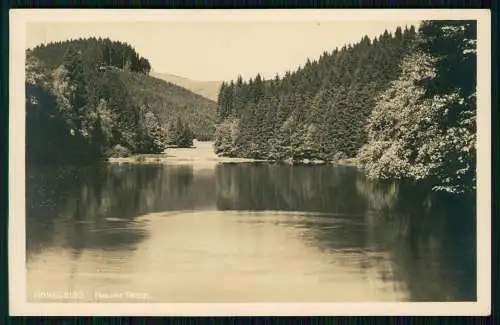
422,242
430,239
95,207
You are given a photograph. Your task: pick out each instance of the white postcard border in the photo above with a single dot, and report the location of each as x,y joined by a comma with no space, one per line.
17,227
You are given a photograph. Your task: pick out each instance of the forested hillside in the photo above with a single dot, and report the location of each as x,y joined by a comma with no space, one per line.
79,109
316,112
171,102
401,106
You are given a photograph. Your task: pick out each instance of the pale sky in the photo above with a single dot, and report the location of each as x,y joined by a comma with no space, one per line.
220,50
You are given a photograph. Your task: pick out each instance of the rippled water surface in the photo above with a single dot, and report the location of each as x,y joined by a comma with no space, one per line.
242,233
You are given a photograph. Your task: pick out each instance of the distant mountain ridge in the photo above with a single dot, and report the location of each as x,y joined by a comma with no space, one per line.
207,89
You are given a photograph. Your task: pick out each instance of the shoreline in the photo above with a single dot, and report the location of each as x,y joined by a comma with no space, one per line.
171,159
202,153
164,158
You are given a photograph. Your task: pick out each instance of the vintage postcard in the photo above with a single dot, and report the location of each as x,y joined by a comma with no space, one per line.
244,162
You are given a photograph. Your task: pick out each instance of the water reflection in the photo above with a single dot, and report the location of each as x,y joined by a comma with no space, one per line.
97,206
430,238
325,227
287,188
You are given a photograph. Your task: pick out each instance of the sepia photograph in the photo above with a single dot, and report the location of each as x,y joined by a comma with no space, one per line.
244,162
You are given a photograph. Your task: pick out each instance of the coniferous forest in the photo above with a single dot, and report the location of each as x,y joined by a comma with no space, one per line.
400,105
316,112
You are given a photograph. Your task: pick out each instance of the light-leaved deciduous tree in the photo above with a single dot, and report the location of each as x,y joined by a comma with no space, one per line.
423,127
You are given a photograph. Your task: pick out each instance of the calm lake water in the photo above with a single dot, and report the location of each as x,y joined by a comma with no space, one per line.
242,233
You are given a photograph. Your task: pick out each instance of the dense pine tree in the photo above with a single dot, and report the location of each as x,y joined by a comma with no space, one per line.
179,134
317,112
94,52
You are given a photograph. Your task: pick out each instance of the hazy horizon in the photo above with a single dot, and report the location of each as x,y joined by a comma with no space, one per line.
219,51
